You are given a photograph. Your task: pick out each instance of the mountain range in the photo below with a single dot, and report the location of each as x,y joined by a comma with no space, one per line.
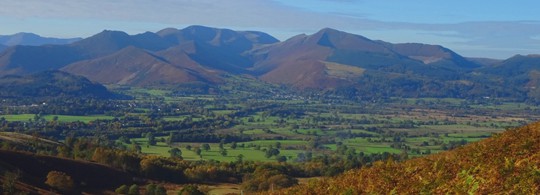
32,40
327,60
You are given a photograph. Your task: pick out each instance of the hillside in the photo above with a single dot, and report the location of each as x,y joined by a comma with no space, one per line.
88,176
506,163
33,40
51,84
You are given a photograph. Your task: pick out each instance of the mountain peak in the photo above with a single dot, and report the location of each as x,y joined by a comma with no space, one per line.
167,31
336,39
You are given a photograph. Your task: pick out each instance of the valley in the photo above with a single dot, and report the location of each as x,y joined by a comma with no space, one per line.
261,124
204,109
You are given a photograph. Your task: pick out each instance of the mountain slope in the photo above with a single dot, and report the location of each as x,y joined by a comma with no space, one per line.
333,59
521,71
31,39
23,60
132,66
433,55
220,49
51,84
2,47
506,163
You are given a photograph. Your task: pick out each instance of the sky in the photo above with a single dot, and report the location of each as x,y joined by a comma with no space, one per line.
473,28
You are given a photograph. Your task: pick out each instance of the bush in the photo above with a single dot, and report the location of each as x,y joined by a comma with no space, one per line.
123,189
133,189
190,190
60,180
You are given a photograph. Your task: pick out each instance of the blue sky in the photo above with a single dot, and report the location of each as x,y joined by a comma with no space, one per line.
475,28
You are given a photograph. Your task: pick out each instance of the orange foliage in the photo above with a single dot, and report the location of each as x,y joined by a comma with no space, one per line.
508,162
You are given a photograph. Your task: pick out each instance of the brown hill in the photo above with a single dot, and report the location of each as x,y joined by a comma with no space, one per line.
507,163
132,66
87,176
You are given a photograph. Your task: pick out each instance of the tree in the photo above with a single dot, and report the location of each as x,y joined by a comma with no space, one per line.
223,152
151,139
160,190
133,189
281,158
233,145
240,158
278,145
198,151
188,147
170,139
60,181
221,143
271,152
206,147
151,189
123,189
175,153
190,190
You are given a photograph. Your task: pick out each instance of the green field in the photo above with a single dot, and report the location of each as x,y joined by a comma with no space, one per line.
61,118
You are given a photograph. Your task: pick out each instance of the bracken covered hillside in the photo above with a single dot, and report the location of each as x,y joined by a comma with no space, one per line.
506,163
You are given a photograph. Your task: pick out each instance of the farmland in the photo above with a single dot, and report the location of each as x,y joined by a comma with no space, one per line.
237,130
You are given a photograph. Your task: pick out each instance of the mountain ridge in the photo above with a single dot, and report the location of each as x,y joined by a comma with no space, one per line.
31,39
327,60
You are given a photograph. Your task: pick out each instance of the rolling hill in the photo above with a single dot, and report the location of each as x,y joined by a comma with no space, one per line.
505,163
51,84
32,39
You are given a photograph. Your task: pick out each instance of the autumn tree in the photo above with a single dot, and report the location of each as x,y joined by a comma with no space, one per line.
60,181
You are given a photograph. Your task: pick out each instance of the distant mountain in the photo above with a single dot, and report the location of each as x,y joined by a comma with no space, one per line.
133,66
171,56
51,84
2,47
329,60
33,40
504,164
518,71
485,61
219,49
23,60
334,59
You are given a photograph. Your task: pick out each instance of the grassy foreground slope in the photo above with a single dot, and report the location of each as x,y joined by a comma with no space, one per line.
508,162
